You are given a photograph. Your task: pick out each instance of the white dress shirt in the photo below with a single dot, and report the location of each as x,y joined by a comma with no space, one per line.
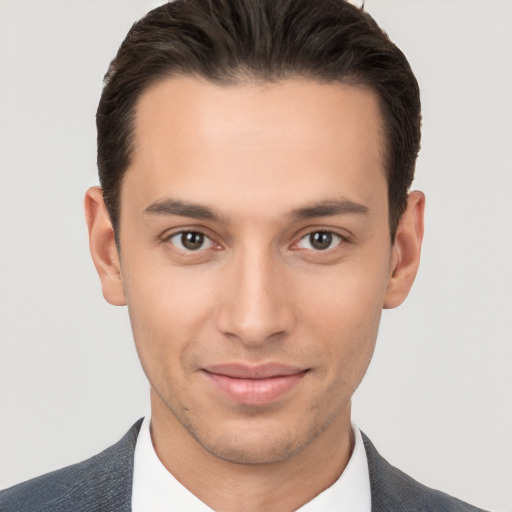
156,490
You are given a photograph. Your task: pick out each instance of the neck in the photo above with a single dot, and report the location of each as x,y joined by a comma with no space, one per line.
227,486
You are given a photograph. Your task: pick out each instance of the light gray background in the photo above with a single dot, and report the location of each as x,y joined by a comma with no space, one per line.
437,398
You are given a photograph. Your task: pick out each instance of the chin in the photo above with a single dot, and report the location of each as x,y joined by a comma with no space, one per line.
246,445
268,451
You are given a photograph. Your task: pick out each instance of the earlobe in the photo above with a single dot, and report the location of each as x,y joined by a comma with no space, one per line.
406,251
103,247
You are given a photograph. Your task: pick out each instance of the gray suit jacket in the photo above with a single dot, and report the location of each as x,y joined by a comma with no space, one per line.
103,483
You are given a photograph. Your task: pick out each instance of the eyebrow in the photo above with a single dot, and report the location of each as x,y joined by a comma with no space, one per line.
183,209
330,208
326,208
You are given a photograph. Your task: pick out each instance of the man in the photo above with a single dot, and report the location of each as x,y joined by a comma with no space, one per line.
255,160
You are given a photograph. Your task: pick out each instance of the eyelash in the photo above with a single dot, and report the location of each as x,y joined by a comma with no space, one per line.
332,235
184,233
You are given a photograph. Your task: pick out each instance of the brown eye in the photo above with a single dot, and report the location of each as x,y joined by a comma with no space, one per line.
320,240
190,241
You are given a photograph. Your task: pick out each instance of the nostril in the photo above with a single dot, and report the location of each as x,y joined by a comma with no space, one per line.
265,328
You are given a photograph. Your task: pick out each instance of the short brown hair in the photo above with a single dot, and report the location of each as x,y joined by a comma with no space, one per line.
229,41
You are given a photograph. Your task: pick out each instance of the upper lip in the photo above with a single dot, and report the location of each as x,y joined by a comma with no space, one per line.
262,371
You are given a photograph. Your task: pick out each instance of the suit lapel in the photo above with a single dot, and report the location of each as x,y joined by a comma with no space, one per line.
111,477
391,489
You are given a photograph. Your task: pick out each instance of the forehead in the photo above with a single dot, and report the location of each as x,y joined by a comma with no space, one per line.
196,138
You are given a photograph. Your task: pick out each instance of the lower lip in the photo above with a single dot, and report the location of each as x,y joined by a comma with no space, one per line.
255,391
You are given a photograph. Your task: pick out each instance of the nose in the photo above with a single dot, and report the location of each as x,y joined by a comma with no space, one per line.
256,304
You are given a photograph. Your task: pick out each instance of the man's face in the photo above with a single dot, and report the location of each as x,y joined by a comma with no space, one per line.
255,258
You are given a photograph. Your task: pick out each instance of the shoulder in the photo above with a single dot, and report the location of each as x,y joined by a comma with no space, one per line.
393,490
102,482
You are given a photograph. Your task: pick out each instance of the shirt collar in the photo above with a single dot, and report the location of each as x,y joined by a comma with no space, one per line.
155,489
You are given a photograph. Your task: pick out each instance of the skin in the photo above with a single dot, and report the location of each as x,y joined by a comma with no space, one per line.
261,158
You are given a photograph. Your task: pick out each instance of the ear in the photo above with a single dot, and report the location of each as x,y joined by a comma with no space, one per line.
406,251
103,247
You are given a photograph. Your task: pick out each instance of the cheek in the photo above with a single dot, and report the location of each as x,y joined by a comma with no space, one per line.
343,311
348,344
168,309
350,341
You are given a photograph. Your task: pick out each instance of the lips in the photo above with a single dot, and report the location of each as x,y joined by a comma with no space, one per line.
254,385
